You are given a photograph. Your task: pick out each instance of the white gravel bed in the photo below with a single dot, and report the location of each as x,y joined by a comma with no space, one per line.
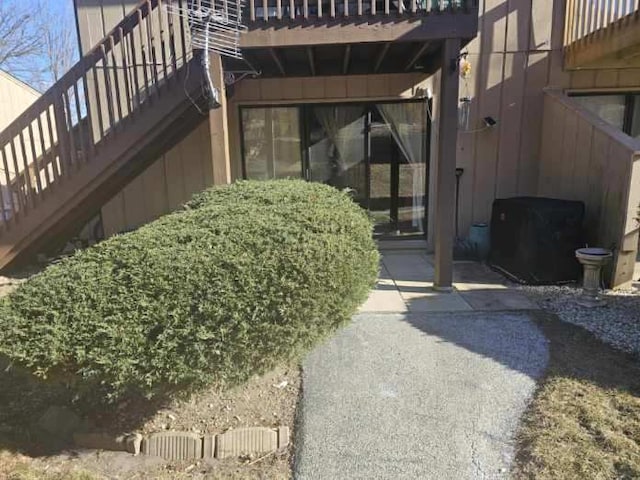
617,323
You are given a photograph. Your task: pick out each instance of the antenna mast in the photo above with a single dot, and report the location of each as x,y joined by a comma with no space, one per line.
215,27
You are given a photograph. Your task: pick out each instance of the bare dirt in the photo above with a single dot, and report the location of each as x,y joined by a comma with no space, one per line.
268,401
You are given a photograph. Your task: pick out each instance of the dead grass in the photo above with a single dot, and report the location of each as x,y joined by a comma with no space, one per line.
18,467
584,422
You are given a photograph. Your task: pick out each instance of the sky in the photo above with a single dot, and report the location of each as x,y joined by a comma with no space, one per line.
61,7
59,13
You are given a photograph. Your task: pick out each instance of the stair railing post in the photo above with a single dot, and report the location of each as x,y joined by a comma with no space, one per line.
62,133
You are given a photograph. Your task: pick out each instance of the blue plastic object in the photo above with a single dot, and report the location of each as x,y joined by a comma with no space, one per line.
480,239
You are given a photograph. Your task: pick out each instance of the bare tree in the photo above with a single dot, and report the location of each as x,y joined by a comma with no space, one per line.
37,40
20,40
60,50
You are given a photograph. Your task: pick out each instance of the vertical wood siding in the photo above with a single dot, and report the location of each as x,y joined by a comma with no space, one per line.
584,158
171,179
518,52
164,186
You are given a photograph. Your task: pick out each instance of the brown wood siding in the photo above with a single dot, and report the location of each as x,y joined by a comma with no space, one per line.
163,187
174,177
584,158
518,52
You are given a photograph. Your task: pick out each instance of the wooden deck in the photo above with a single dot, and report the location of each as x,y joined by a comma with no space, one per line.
294,38
286,23
602,34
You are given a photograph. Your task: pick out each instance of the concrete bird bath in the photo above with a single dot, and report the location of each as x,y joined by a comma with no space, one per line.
592,260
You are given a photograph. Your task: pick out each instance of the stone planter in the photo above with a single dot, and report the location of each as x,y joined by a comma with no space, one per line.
592,260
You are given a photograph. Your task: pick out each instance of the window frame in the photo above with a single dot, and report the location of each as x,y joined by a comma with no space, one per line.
629,104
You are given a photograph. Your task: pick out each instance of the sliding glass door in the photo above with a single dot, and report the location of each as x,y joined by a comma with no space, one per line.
407,125
271,143
376,151
336,147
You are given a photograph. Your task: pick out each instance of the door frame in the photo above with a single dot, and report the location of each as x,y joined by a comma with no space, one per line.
303,109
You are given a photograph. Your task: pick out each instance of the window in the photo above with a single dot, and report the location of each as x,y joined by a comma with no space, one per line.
271,142
622,110
378,152
635,118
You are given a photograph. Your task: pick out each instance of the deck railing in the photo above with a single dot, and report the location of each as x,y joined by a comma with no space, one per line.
275,10
583,17
66,126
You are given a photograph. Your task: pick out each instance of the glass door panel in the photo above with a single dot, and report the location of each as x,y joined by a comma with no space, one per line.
337,148
635,118
271,142
383,177
407,124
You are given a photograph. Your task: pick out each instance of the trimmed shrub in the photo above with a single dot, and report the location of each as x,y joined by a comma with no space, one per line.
243,277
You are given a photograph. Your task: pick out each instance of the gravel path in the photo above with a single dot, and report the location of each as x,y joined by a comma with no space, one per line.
617,323
418,396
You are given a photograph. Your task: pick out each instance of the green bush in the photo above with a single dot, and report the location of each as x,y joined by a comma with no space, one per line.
241,278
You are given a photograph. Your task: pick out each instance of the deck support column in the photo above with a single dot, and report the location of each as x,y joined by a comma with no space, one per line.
446,165
219,128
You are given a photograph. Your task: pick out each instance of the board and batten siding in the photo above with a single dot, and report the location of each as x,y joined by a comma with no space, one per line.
171,179
584,158
15,97
165,185
518,52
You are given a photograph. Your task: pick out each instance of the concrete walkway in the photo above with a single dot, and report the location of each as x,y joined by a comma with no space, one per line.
406,278
430,386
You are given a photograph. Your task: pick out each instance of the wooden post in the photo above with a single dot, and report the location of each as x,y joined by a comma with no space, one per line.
219,128
446,166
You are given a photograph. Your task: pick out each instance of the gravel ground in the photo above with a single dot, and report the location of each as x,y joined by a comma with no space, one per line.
418,396
617,323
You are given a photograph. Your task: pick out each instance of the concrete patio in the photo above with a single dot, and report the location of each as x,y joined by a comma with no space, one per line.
406,279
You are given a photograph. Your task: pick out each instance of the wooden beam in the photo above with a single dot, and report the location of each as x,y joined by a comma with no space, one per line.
278,61
312,63
346,59
446,166
381,55
219,128
339,31
416,56
612,47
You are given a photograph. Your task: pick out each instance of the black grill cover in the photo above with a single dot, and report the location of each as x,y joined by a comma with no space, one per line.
533,239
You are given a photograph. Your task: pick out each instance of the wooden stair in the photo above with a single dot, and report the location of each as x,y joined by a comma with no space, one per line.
130,99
